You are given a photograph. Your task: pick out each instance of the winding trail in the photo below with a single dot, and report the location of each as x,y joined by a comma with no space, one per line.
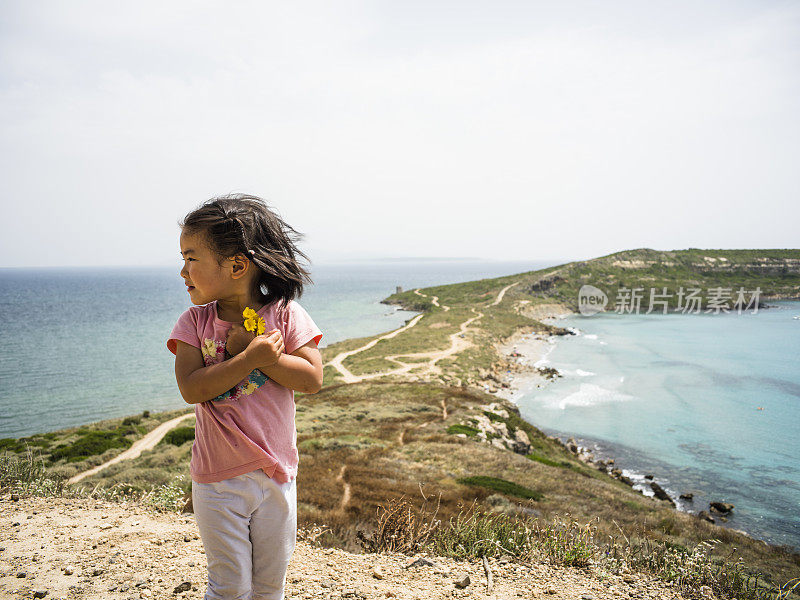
148,442
434,299
346,492
458,342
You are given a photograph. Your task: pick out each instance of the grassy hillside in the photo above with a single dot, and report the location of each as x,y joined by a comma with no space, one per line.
432,434
775,272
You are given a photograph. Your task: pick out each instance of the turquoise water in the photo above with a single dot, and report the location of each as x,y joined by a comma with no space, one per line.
709,404
86,344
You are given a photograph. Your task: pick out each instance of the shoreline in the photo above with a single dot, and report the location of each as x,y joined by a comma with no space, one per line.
528,351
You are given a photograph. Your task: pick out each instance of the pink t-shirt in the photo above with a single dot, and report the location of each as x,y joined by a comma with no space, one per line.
252,425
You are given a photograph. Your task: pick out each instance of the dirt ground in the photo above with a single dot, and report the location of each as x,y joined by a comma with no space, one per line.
60,548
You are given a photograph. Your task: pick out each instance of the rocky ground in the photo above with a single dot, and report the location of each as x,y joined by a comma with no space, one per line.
60,548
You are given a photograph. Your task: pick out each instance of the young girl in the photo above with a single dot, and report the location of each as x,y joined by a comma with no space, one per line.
238,254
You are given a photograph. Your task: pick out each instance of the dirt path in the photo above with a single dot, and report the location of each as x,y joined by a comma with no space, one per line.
434,299
337,361
346,492
148,442
458,343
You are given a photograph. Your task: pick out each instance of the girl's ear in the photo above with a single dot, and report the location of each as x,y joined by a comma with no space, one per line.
239,264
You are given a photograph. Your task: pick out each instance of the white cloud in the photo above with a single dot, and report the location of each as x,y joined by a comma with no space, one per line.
503,131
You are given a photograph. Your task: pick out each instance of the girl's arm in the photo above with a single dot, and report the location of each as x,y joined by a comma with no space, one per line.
199,383
300,371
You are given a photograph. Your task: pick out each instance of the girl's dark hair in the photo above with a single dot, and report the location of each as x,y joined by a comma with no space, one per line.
238,223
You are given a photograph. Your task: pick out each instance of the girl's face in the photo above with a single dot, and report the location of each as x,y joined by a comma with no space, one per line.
205,279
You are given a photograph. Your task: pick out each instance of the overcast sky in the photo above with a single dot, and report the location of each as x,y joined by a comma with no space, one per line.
503,130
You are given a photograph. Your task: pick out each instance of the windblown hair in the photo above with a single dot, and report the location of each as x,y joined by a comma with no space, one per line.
238,223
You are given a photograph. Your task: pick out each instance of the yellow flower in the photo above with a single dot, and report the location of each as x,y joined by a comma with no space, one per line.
249,313
250,324
261,326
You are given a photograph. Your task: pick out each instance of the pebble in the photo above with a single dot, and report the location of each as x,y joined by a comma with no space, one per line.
420,562
183,587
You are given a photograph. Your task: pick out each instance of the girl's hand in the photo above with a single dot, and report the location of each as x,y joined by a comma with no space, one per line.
265,350
238,339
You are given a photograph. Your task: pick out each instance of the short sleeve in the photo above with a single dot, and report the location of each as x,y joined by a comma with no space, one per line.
185,330
299,328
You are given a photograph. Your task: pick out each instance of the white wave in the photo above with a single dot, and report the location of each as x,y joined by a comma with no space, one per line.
589,394
544,361
604,343
590,336
582,373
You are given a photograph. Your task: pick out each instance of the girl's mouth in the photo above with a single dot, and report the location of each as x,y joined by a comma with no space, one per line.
189,288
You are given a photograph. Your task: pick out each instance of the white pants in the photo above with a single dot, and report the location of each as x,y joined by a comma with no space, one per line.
248,525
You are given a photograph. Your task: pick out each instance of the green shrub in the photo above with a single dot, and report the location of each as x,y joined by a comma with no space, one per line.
563,464
91,443
131,421
632,504
502,486
466,429
26,474
494,417
668,526
167,497
480,534
179,436
11,444
566,542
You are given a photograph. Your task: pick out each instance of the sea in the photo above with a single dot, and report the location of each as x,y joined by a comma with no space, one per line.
708,404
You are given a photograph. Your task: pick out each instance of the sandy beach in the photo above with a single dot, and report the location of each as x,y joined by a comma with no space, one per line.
528,352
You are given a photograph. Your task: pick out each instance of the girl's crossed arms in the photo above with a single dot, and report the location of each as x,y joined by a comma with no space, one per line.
300,371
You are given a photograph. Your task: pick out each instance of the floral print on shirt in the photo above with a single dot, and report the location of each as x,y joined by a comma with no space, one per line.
214,352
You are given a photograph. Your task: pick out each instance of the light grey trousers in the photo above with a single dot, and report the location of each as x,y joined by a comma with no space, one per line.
248,525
